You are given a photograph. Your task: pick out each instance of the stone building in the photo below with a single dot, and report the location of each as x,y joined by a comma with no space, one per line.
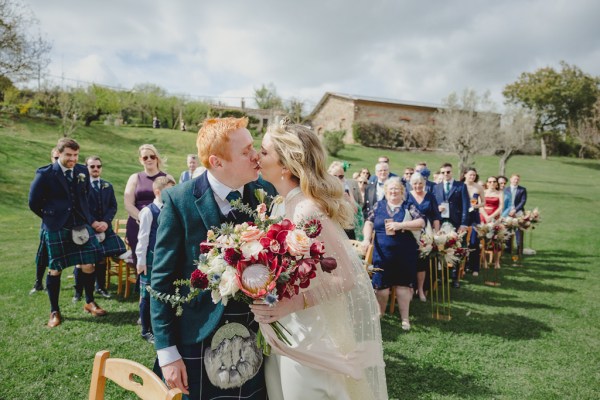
337,111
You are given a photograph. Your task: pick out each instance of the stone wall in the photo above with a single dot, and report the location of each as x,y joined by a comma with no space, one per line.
335,115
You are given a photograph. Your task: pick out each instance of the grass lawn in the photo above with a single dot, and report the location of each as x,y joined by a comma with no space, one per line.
535,337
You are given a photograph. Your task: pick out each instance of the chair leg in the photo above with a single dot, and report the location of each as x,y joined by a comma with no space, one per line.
120,277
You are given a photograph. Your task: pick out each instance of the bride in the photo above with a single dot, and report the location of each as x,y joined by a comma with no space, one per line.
336,350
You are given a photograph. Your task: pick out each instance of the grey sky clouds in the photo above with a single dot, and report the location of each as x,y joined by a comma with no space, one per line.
411,50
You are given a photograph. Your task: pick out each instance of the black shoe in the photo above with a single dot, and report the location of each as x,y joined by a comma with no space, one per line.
76,298
455,284
37,287
103,293
148,337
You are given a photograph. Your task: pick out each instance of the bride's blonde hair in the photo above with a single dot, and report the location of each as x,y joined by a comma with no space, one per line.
300,150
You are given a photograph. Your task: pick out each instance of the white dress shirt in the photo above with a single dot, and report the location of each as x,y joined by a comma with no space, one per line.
145,217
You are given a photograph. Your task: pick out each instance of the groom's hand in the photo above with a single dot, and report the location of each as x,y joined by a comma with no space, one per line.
175,375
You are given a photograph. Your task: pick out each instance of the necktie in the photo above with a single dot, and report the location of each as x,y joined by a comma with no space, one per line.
96,185
233,195
69,175
447,187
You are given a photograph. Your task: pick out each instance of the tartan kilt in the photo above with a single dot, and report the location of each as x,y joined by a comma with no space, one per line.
41,257
63,253
112,245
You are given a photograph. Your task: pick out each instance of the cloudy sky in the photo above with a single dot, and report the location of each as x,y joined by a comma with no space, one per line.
409,50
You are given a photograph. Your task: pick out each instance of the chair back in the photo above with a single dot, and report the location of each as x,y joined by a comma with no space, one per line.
146,385
120,228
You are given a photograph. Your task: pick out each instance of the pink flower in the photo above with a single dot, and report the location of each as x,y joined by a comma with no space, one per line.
205,248
231,256
298,243
317,249
258,277
251,234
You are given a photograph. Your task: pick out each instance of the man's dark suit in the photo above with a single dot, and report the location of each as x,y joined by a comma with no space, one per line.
458,201
103,203
519,206
51,199
189,211
370,199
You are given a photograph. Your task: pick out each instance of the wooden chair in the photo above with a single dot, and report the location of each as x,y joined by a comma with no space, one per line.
147,385
116,266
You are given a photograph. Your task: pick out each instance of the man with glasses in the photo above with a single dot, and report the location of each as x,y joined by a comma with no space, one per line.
103,207
453,200
382,159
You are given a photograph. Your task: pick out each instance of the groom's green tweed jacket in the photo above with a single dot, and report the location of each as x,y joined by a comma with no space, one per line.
189,211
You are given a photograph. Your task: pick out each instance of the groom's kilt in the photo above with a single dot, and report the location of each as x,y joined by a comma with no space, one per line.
58,251
112,245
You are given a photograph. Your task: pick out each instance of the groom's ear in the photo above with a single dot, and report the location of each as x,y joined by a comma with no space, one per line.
214,161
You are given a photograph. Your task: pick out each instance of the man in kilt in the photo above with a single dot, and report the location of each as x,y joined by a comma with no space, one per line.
190,345
103,206
59,196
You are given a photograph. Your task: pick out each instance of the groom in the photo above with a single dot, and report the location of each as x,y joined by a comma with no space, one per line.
225,148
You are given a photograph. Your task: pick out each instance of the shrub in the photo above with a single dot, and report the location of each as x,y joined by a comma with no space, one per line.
333,141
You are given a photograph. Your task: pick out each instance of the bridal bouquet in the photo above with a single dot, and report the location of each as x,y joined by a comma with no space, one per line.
445,244
266,260
495,234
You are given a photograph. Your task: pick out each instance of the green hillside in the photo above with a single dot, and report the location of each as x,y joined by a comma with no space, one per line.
536,337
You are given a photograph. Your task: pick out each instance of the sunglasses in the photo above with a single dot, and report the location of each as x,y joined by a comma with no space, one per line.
445,172
55,158
95,166
362,182
152,157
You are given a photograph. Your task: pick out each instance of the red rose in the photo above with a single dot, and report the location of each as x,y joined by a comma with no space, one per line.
328,264
231,256
205,248
199,280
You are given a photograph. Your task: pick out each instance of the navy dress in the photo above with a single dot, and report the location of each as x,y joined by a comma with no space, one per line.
396,255
429,209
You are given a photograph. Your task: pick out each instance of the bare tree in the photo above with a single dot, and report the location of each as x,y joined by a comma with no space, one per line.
23,54
517,126
467,124
587,132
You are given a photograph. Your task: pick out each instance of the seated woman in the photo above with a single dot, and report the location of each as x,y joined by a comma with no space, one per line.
395,250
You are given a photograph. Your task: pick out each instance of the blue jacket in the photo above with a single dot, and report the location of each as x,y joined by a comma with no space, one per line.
189,211
51,199
103,203
520,197
458,200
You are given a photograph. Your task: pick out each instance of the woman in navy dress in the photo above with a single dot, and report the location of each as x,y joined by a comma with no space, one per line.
427,205
395,248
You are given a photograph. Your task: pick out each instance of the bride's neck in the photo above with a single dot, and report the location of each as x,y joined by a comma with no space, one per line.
283,187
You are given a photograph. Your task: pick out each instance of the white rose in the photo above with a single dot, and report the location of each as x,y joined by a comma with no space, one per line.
216,297
228,285
226,240
216,265
251,249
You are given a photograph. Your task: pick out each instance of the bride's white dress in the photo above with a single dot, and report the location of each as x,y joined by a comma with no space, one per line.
336,349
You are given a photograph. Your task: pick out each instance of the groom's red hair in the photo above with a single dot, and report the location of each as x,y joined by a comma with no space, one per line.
213,137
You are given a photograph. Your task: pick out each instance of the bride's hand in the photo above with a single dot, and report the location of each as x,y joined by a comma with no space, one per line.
266,314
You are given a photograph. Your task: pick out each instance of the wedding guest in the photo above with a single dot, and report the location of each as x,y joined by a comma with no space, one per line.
425,173
59,196
502,181
374,191
518,198
144,251
395,250
493,203
382,159
351,193
408,171
477,199
365,173
427,206
138,191
41,267
190,210
335,335
192,163
453,202
103,207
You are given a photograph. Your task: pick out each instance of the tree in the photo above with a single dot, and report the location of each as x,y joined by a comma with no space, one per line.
266,97
467,125
587,133
559,99
516,127
22,54
294,110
